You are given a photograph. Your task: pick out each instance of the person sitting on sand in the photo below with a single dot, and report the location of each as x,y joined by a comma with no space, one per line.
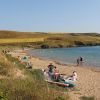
56,73
50,68
71,78
50,71
29,65
46,76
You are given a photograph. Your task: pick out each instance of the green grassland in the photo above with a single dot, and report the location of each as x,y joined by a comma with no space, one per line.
49,40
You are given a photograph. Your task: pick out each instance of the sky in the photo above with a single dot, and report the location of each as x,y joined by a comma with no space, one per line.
50,15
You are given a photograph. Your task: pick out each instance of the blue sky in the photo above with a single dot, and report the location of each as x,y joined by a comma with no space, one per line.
50,15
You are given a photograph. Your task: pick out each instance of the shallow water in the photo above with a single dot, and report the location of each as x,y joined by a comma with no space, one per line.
91,55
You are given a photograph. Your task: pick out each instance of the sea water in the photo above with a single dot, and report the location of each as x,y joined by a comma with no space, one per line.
91,55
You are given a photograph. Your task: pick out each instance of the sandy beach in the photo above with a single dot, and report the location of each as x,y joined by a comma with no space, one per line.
87,84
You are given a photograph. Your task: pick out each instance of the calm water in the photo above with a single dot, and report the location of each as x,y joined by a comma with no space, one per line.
91,55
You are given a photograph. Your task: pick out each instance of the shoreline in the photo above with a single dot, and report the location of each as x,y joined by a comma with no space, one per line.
94,68
89,59
87,83
25,52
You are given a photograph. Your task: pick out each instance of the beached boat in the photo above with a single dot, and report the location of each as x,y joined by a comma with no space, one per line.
63,84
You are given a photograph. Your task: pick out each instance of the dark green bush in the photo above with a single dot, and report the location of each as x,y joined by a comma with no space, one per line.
44,46
87,98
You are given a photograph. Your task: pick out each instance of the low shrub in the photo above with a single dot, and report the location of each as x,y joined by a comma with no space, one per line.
87,98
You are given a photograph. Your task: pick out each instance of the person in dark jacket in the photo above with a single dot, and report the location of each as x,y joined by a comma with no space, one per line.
81,61
50,68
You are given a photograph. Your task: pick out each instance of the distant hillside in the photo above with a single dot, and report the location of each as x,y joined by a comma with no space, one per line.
14,34
49,40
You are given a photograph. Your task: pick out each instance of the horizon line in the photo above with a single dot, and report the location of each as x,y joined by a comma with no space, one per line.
46,32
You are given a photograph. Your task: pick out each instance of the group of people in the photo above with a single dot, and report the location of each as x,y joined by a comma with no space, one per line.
79,61
25,59
53,74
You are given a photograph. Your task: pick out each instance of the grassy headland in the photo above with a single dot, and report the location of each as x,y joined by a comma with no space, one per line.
49,40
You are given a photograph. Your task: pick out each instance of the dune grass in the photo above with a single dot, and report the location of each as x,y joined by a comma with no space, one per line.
28,90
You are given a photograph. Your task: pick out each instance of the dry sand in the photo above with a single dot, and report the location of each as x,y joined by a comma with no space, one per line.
87,84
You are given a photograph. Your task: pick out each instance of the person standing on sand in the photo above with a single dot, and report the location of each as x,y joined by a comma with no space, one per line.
78,61
81,61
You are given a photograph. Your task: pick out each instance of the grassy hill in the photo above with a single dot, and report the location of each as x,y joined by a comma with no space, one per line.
49,40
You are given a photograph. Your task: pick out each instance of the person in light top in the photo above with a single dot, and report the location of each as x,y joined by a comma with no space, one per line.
72,78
